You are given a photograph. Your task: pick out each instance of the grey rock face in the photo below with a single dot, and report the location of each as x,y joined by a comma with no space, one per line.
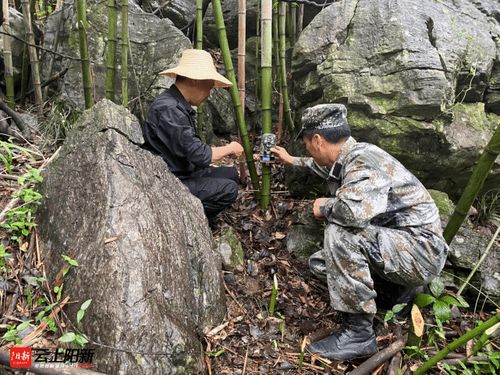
396,57
417,79
230,13
156,45
181,12
142,243
17,46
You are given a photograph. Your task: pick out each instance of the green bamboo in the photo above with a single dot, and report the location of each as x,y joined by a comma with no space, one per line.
293,22
25,72
266,91
284,85
276,44
240,118
476,181
200,126
257,58
484,338
111,52
34,62
7,57
125,53
457,343
81,8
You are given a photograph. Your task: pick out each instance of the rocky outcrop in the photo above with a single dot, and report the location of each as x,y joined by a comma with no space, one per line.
143,246
156,44
181,12
418,80
17,46
396,57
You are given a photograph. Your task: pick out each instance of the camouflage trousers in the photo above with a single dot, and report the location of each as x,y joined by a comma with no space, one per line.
408,256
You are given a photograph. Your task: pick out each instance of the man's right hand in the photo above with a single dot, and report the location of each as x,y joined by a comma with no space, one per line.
283,155
236,149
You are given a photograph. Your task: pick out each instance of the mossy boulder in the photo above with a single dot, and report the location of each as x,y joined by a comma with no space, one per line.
230,249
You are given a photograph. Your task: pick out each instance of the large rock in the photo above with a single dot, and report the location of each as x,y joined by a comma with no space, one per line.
181,12
414,78
142,243
17,46
466,249
396,57
156,44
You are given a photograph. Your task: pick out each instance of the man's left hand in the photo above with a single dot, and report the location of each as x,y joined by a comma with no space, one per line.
316,207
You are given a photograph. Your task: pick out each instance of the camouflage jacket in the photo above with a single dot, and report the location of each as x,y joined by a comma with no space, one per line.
370,187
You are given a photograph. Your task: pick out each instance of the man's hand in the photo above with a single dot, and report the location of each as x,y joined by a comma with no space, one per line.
316,207
283,155
236,149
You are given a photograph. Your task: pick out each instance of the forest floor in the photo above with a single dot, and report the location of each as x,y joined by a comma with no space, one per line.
249,341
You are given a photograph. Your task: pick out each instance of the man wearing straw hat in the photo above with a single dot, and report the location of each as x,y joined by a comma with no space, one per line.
170,131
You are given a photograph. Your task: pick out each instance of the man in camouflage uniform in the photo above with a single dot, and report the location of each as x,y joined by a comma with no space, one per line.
382,223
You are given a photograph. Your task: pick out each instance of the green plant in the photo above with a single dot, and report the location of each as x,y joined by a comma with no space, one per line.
20,220
389,315
441,303
77,338
7,155
71,263
12,333
3,256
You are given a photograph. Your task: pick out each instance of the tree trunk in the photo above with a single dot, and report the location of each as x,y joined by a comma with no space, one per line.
125,53
266,91
111,52
200,128
300,20
284,84
81,8
476,180
35,71
240,118
7,57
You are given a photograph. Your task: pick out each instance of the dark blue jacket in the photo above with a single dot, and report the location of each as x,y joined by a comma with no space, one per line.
170,131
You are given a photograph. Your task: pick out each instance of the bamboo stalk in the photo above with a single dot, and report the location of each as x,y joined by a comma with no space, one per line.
240,118
7,57
81,8
416,327
125,53
293,23
457,343
300,20
476,181
51,57
200,128
25,72
257,58
284,84
266,91
277,69
111,52
35,71
242,36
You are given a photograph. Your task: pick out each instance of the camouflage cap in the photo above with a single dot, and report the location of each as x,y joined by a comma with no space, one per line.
323,116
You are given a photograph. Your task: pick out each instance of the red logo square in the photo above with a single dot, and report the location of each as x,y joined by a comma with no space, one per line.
20,357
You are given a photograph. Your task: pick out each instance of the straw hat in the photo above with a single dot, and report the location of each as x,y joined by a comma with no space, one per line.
197,64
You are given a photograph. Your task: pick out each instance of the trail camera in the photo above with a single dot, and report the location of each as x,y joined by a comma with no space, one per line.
268,142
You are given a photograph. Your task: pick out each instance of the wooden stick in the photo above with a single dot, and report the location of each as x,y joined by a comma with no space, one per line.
394,365
373,362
